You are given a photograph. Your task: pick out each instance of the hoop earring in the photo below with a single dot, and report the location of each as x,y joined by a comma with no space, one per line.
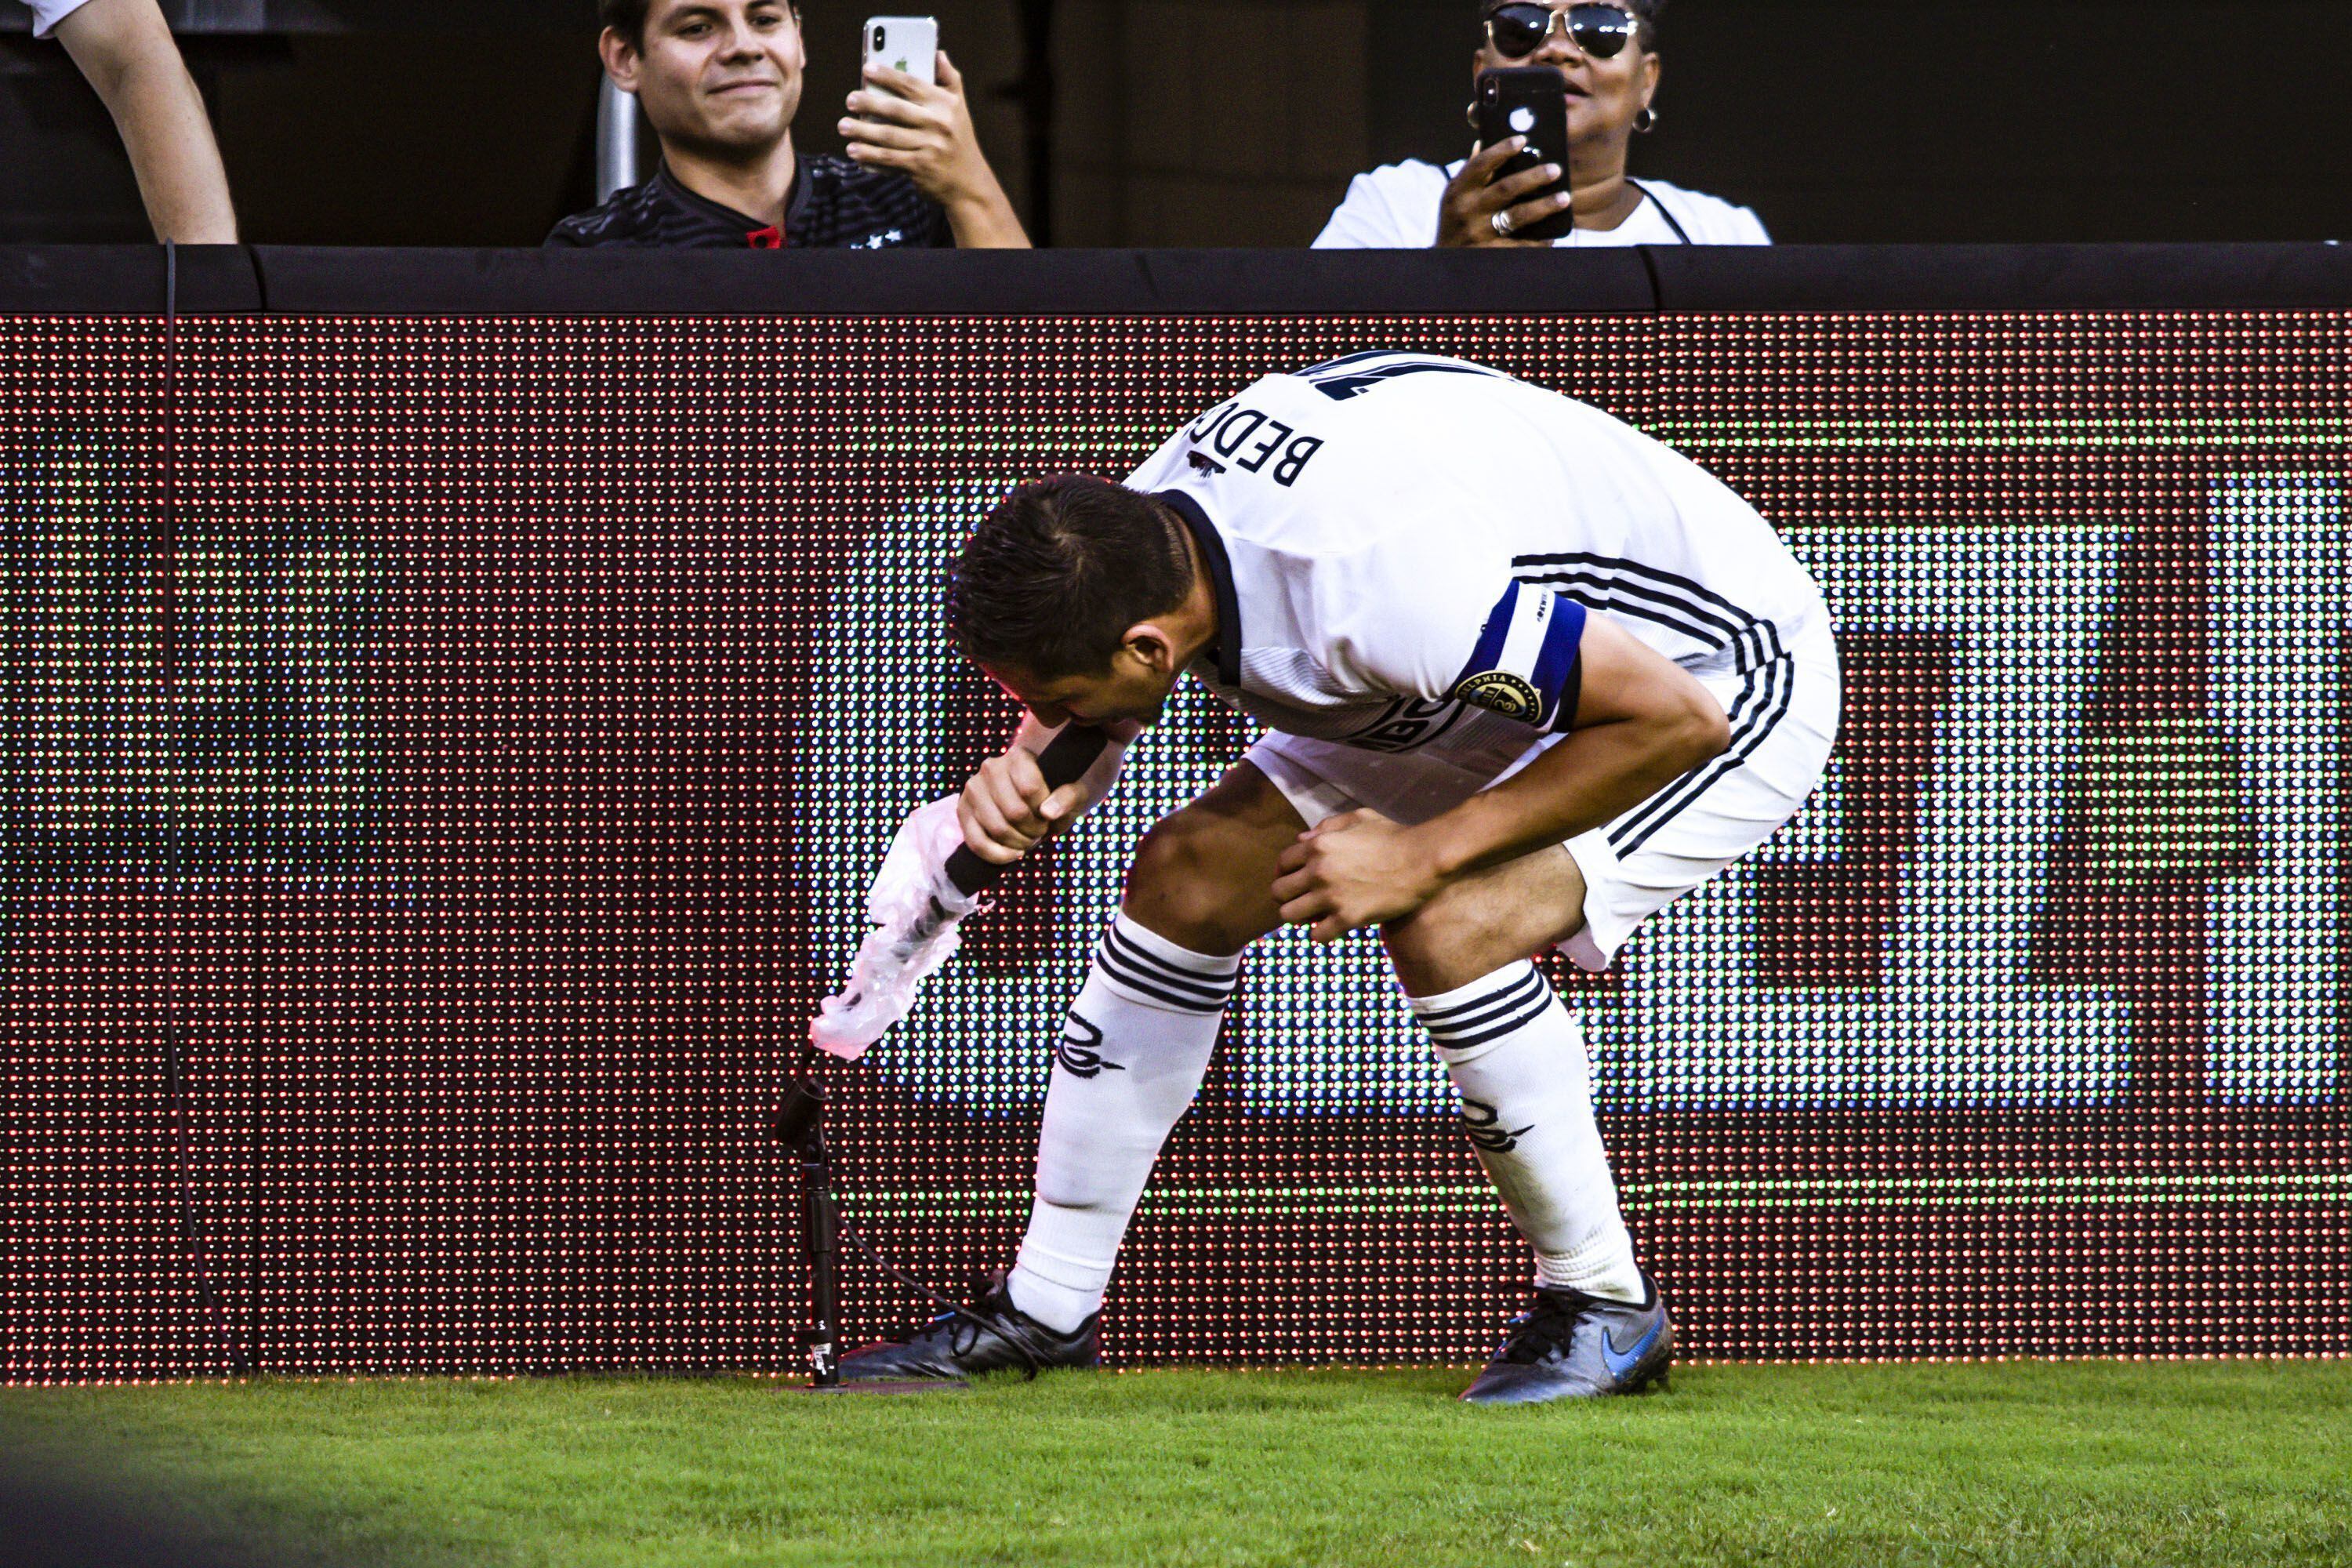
1645,121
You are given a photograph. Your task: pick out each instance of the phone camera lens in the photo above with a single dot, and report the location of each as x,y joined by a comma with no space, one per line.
879,36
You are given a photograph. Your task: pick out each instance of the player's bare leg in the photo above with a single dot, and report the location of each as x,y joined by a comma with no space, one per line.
1518,1058
1483,922
1133,1051
1203,877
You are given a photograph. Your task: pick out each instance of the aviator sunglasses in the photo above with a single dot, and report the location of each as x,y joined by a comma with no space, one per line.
1517,31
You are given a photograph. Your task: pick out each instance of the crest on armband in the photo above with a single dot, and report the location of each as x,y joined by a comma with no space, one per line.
1500,691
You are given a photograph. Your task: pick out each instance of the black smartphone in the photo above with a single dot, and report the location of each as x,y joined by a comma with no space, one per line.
1529,101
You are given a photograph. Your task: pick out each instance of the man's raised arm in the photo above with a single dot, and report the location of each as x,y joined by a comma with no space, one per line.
128,53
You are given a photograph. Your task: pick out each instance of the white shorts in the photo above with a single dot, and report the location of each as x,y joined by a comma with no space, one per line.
1784,717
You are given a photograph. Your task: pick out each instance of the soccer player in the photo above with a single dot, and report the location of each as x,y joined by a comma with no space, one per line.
1530,676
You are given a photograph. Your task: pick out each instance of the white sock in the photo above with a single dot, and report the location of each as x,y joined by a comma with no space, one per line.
1131,1057
1518,1058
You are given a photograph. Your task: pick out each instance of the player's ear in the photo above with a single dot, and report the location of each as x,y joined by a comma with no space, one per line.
620,58
1146,644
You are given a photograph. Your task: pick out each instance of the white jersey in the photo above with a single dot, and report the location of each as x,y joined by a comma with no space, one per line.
1406,547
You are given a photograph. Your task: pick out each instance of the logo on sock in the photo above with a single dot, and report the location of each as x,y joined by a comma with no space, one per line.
1481,1120
1076,1050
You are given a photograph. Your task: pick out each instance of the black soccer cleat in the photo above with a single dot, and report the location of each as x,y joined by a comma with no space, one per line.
990,1335
1569,1345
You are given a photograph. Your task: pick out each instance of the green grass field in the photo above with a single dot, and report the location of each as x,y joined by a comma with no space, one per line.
2088,1463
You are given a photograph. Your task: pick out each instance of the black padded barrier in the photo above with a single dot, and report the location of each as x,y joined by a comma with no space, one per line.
321,280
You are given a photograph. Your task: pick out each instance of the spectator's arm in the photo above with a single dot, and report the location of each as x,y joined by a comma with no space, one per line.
925,132
1352,225
129,56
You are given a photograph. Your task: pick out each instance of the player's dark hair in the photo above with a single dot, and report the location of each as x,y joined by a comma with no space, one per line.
627,18
1644,12
1050,581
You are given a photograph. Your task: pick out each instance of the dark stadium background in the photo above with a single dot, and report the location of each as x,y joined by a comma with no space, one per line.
1238,123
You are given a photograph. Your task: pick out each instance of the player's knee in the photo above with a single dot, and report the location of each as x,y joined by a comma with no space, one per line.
1184,885
1447,943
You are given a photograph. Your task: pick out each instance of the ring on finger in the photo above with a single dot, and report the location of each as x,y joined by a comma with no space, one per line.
1501,222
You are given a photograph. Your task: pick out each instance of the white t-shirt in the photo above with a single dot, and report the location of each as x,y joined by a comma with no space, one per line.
1394,208
1406,547
47,14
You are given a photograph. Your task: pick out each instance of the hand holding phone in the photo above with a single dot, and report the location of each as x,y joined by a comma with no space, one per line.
1515,190
910,44
909,115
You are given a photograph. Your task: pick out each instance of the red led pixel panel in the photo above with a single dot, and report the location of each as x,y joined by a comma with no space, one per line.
445,758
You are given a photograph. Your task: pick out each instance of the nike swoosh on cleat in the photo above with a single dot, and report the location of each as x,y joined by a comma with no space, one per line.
1618,1361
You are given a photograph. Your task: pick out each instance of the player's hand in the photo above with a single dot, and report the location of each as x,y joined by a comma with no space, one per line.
1006,810
924,132
1465,214
1354,870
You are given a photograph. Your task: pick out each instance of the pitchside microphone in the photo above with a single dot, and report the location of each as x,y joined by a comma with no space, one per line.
798,1124
1065,760
794,1123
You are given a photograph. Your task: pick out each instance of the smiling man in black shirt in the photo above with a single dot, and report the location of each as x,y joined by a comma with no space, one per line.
721,81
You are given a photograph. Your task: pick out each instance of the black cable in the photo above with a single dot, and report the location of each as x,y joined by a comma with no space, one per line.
848,1233
190,1240
176,1090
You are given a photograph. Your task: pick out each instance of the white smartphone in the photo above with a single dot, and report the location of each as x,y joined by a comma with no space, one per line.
909,44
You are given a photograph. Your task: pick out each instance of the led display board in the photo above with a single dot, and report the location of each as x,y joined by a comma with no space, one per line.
446,758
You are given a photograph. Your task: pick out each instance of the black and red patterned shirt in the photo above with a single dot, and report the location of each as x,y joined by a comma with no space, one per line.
834,204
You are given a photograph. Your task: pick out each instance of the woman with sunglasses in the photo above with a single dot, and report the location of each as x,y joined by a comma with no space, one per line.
1606,54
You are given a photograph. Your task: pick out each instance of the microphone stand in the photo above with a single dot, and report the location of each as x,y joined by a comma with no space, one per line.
798,1122
799,1125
